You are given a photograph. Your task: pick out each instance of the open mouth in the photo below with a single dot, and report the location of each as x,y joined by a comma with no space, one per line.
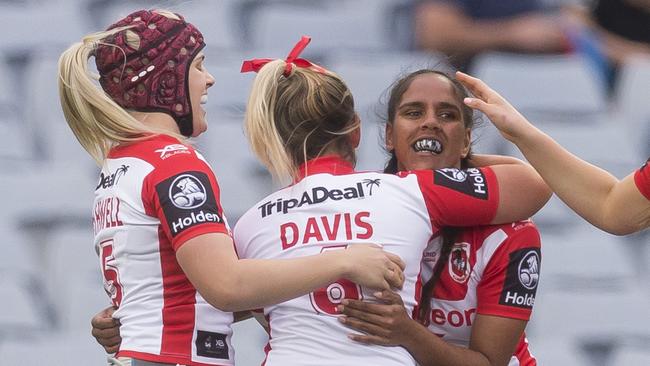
429,145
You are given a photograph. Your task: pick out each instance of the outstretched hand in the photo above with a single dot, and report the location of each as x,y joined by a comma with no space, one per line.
385,324
503,115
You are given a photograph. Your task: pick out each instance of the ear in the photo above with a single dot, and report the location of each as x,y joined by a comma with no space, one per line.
389,137
467,141
355,135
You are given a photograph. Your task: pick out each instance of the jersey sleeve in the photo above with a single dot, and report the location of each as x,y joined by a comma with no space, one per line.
509,282
457,197
182,192
642,179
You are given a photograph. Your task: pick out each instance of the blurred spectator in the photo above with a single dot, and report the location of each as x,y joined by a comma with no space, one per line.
606,31
623,30
464,28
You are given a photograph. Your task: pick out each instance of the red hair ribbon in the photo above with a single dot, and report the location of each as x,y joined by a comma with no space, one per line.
292,58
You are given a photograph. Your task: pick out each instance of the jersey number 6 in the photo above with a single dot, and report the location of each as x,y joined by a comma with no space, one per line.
325,299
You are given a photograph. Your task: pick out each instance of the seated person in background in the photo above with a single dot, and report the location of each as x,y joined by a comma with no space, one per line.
464,28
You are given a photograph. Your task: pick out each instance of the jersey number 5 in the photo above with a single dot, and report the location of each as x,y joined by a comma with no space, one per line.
112,284
325,299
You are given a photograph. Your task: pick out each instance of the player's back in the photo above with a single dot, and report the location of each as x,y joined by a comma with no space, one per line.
328,212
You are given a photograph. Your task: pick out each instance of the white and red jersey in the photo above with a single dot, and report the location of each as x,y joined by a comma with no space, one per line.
152,197
333,207
491,270
642,179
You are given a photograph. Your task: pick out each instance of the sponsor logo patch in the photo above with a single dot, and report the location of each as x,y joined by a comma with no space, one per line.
211,344
187,200
470,181
110,179
456,175
522,277
459,267
318,195
187,192
171,150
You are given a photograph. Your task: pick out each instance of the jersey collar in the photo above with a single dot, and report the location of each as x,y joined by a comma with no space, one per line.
330,164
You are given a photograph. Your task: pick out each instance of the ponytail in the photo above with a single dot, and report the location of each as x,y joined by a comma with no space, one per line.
260,125
293,118
97,121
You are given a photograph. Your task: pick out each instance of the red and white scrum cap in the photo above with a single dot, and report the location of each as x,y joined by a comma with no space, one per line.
151,76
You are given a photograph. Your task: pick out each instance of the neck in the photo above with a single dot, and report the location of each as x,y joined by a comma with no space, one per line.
331,151
157,120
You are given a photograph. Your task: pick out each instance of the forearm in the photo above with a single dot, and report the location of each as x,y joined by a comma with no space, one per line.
260,282
231,284
522,192
582,186
481,160
430,350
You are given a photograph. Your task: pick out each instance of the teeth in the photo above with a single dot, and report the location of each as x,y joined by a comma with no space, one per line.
204,99
430,145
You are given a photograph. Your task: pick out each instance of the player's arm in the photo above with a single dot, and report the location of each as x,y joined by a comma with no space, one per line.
522,192
593,193
481,196
479,160
233,284
492,343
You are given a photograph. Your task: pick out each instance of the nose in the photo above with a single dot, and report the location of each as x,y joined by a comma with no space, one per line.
209,80
430,121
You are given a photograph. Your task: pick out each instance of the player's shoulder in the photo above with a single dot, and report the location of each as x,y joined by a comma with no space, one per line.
157,150
512,232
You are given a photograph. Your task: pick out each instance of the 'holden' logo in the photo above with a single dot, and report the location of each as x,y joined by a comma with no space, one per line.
529,270
187,192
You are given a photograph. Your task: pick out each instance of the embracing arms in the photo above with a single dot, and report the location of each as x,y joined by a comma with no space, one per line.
492,343
232,284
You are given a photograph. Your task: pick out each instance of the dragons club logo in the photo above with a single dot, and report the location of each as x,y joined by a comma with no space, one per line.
187,192
459,267
529,270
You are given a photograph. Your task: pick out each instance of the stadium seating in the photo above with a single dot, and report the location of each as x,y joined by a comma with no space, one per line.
632,110
593,298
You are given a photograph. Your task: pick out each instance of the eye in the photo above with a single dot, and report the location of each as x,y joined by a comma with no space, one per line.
412,113
448,115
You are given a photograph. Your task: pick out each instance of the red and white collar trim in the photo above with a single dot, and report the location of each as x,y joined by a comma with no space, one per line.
330,164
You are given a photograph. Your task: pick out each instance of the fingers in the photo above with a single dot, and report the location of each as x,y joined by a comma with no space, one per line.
104,319
478,104
394,278
105,333
369,339
397,260
476,86
389,297
359,308
363,326
110,342
112,349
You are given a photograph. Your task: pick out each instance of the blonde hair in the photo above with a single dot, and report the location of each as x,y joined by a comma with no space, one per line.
96,120
292,119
